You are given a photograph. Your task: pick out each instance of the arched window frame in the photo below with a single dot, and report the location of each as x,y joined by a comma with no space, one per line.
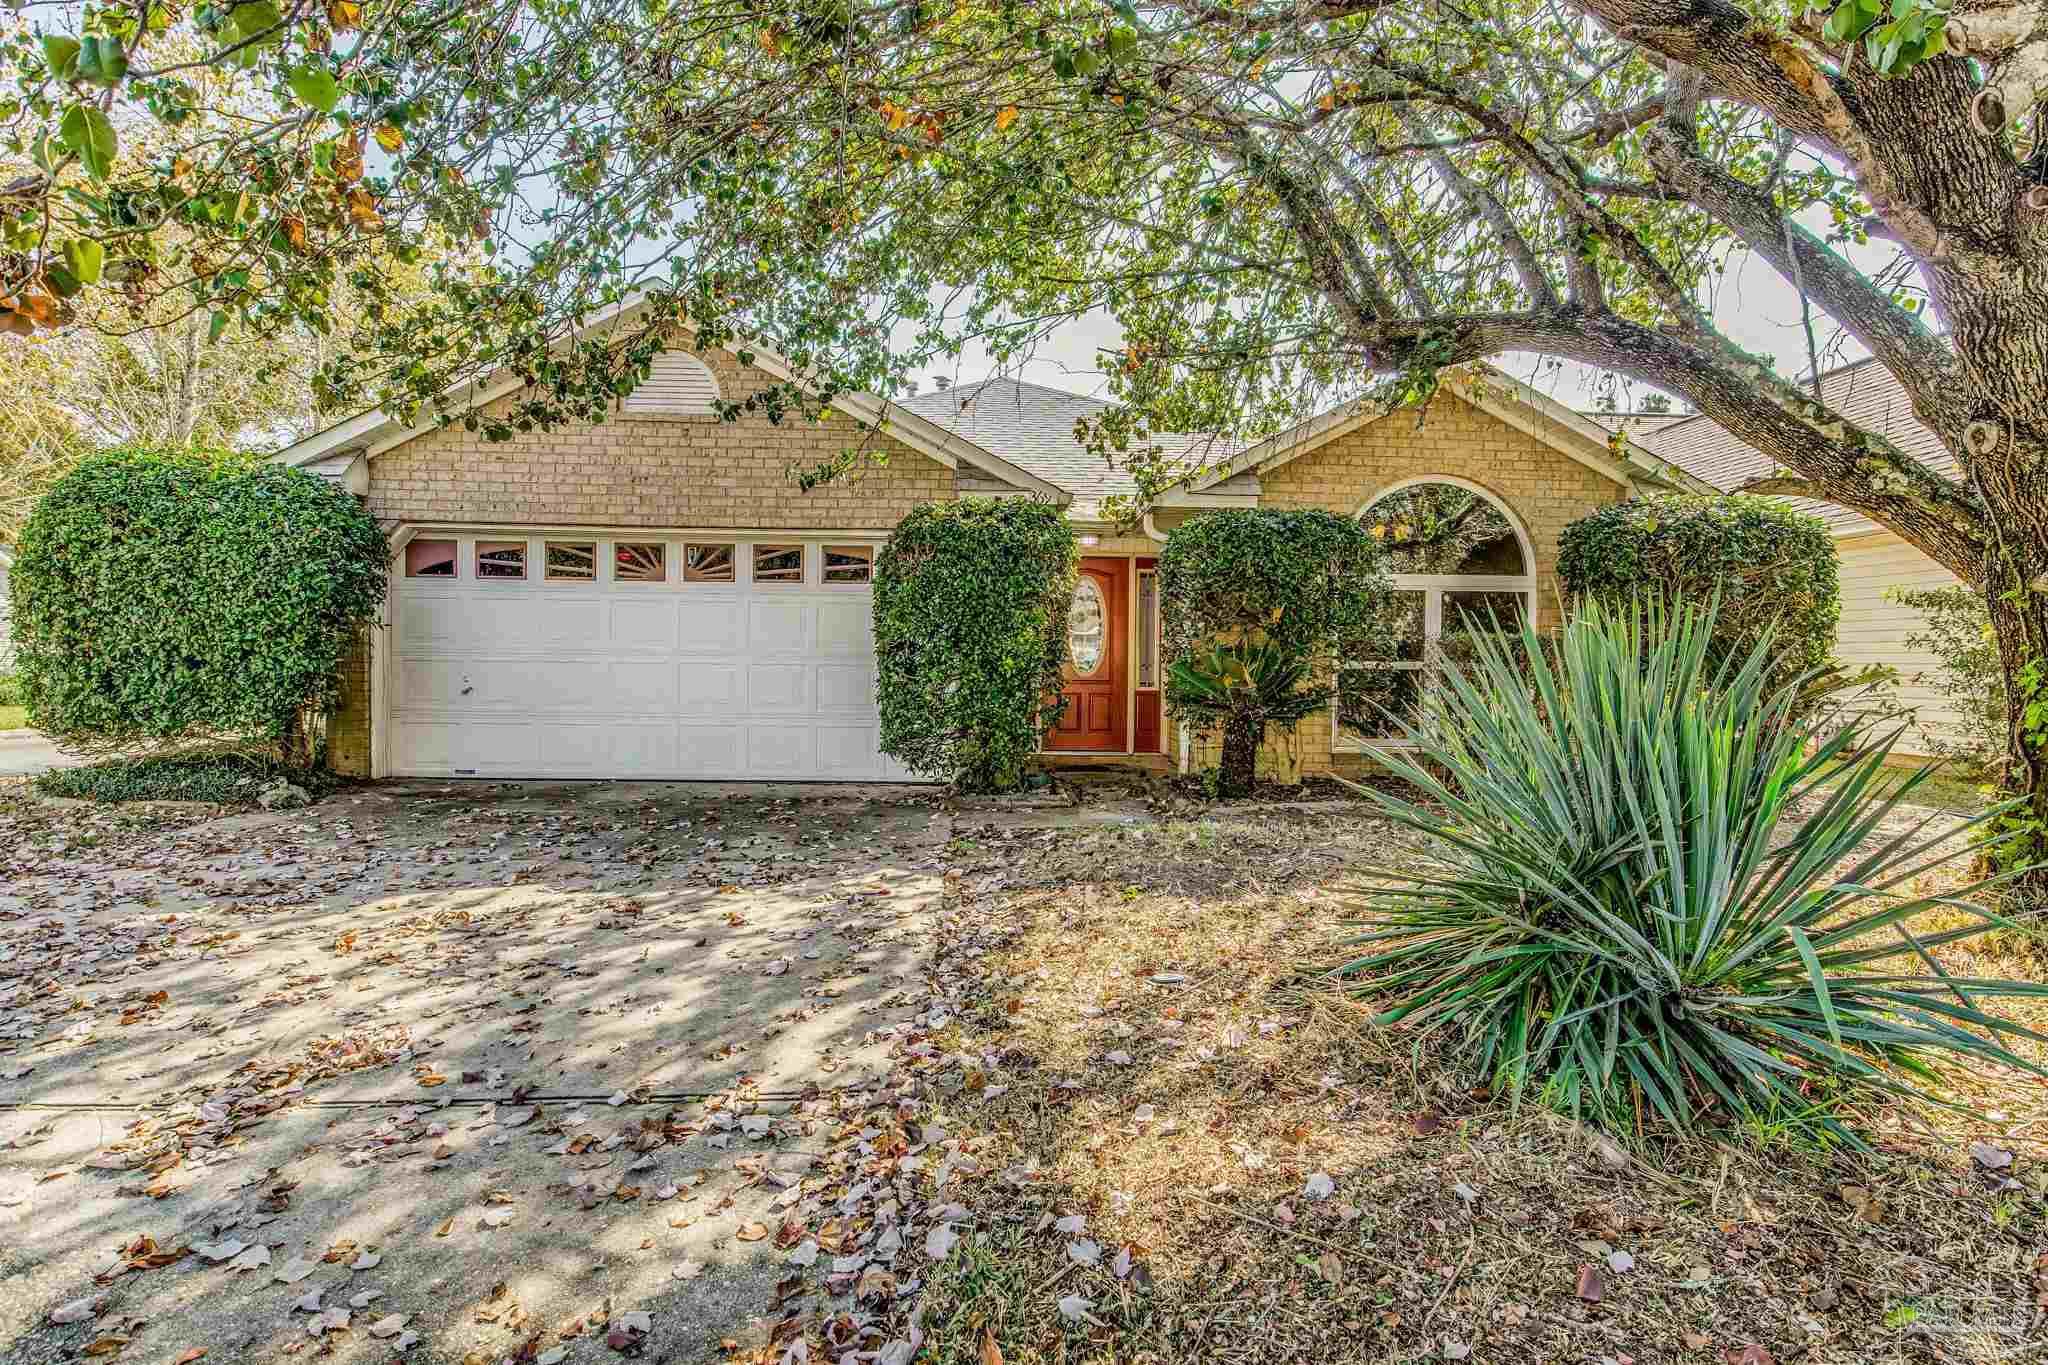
1434,588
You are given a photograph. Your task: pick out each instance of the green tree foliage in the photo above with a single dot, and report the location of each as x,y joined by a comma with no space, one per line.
166,597
1956,629
1311,581
1774,569
1619,917
971,602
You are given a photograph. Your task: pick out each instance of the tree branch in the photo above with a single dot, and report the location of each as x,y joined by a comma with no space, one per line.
1598,132
1859,469
1896,337
1731,48
1483,204
1785,487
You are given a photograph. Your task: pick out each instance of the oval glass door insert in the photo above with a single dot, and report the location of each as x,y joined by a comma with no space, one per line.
1086,631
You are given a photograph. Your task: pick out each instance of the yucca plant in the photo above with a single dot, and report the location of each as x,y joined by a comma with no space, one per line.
1243,687
1619,916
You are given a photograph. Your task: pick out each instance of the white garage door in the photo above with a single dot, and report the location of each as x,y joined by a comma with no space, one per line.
643,656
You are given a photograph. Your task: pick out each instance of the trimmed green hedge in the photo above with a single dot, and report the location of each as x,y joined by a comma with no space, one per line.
1313,582
971,601
1769,563
171,596
1309,583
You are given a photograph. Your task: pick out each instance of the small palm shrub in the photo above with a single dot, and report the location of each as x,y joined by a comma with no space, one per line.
1243,688
1618,917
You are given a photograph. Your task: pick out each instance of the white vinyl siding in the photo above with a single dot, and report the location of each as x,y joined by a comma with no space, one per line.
678,385
1874,630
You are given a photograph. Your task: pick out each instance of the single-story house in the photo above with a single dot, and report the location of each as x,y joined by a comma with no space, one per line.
1874,561
655,597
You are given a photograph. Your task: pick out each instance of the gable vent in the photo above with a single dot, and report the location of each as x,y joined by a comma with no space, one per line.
679,383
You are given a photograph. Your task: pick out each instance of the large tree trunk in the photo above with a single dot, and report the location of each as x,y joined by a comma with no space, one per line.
1238,769
2019,621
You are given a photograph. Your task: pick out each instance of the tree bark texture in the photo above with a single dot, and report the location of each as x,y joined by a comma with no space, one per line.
1237,769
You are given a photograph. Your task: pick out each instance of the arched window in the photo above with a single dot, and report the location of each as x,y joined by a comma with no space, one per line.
1461,563
677,385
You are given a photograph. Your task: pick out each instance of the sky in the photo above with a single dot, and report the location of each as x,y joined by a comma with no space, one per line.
1751,304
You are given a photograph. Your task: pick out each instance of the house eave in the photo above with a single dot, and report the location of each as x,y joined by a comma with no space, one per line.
1501,396
377,432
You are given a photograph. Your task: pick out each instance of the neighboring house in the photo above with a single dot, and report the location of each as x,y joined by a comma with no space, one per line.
6,609
1874,560
655,597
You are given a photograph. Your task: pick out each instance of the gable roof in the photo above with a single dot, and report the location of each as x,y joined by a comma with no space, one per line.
1500,395
369,434
1864,392
1022,434
1033,426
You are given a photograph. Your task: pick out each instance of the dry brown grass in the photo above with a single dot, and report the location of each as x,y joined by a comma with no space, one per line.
1455,1225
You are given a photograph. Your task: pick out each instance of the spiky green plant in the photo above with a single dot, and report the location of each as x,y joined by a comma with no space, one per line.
1619,910
1244,687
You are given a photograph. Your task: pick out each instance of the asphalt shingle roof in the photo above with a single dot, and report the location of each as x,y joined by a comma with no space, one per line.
1032,427
1866,393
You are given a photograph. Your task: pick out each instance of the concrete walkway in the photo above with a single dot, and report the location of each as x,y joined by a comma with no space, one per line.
24,753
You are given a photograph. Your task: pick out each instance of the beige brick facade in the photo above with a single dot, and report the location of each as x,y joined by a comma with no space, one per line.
671,472
689,472
674,472
348,729
1543,488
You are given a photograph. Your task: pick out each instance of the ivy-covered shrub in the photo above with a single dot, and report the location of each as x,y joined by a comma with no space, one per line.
1312,583
163,597
971,601
1769,564
1956,630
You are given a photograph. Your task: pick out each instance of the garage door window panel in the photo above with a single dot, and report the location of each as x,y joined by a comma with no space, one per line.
572,561
709,563
780,564
849,564
430,558
501,559
640,561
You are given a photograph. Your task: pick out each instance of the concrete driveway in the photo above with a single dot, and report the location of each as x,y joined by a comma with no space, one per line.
479,1071
24,753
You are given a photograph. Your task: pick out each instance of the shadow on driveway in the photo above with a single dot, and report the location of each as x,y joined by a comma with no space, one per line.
498,1059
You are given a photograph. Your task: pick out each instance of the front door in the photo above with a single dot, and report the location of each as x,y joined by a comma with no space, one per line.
1098,683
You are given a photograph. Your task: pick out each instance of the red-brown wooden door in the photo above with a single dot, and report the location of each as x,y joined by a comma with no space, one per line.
1098,661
